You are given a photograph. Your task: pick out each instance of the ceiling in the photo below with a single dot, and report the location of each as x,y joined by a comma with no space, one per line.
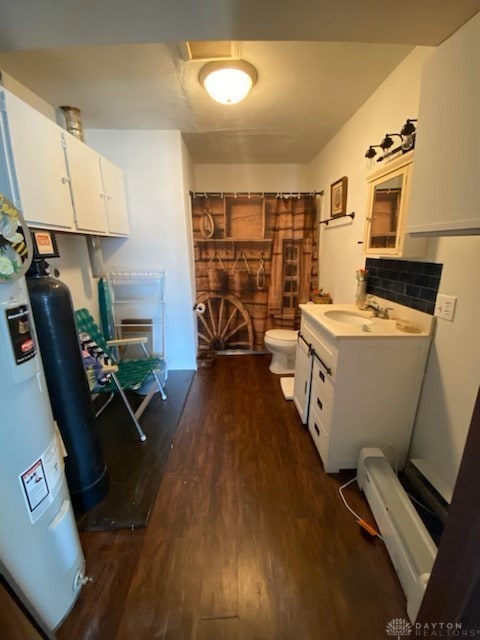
317,62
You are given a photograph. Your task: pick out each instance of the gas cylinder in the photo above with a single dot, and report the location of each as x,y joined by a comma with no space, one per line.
70,397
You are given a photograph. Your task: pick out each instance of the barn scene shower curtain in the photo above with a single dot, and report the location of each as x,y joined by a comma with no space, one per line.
255,262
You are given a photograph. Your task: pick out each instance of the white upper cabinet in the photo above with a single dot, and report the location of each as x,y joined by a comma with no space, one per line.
40,166
115,198
388,209
64,184
86,184
445,192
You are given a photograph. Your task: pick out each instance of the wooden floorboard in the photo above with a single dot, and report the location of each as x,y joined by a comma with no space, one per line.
248,538
135,468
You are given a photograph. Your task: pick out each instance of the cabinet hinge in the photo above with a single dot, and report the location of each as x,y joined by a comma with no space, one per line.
3,104
64,144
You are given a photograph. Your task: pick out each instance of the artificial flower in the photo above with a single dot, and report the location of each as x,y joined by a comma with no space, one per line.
6,267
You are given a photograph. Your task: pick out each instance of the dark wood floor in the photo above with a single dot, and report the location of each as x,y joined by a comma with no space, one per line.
248,539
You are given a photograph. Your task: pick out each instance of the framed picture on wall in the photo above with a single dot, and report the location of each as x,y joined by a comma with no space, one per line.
338,197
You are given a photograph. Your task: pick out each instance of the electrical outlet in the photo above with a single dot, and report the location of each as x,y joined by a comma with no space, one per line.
445,307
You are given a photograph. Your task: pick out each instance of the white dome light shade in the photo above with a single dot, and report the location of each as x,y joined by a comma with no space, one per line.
229,81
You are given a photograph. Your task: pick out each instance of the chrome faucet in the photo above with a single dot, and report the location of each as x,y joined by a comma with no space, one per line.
378,311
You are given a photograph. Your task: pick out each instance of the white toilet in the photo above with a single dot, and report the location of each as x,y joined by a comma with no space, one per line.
282,344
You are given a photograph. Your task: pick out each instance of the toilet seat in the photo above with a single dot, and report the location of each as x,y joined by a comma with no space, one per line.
282,335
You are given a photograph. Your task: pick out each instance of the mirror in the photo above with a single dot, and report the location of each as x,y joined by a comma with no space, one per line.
386,208
385,212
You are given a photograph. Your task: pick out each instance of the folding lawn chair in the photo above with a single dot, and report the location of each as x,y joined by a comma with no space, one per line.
120,374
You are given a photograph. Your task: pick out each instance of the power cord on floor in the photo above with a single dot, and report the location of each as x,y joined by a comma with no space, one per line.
360,521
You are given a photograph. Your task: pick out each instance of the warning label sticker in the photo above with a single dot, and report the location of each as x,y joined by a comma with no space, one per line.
41,482
35,485
20,333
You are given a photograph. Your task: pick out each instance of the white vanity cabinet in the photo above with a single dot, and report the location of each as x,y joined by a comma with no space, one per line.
39,156
303,376
363,392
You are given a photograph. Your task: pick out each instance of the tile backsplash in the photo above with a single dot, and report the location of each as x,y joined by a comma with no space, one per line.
413,284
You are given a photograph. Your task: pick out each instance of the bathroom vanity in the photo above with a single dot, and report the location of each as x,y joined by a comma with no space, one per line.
358,380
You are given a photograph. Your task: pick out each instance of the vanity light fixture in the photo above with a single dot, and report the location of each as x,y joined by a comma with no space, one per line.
408,128
407,142
371,153
387,142
408,131
228,81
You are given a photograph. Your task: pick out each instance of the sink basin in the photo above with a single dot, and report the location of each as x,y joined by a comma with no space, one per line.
348,317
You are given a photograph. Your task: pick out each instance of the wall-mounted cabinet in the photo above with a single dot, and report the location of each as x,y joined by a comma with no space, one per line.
387,211
87,187
445,186
115,198
64,185
42,175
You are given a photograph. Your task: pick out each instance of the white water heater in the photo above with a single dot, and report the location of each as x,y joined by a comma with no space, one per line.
39,544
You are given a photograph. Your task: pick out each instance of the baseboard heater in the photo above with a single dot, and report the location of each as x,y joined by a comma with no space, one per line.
408,542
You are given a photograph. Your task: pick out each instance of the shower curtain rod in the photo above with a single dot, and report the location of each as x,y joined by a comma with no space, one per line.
274,194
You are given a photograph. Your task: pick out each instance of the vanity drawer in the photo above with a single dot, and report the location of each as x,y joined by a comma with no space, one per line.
319,435
325,350
322,393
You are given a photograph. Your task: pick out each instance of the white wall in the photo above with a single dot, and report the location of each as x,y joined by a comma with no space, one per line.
75,271
154,170
188,170
384,112
25,94
252,177
453,370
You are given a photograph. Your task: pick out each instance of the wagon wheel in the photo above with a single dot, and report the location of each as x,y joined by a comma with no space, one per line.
226,323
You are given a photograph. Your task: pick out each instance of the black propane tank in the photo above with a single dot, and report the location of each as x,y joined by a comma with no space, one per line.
67,386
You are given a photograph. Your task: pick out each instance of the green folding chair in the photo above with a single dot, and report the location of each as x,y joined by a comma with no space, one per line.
124,375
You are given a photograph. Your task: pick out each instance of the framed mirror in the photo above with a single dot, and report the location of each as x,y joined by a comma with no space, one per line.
387,201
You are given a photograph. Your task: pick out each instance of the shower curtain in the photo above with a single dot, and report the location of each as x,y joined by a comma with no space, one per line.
255,261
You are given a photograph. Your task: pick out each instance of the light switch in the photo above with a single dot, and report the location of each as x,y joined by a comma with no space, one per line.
445,307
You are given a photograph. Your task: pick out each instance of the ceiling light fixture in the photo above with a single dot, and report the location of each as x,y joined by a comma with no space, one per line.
228,81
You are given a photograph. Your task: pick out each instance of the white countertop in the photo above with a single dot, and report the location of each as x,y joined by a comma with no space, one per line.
373,327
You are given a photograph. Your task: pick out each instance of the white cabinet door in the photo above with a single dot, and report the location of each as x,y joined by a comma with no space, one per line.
40,166
115,198
301,386
86,184
388,210
445,186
